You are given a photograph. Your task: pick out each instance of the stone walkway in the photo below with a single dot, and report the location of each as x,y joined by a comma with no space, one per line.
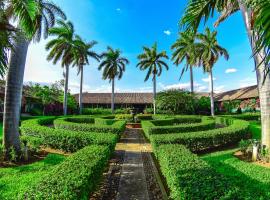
132,174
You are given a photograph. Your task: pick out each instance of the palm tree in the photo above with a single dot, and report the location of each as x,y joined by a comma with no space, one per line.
153,61
82,54
34,19
256,19
62,48
113,66
185,49
209,53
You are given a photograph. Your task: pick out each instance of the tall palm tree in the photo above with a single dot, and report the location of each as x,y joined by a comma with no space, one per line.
209,53
34,18
113,66
153,61
62,48
185,49
83,51
257,21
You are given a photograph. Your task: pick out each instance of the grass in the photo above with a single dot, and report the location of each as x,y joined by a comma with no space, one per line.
255,128
250,179
17,179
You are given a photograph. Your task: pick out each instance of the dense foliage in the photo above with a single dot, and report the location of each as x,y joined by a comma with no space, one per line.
189,177
66,140
182,102
73,179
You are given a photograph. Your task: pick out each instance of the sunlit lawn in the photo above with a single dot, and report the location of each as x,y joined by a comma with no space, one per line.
255,128
253,181
15,180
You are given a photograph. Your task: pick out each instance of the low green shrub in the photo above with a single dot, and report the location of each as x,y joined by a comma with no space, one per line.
189,177
141,117
100,125
81,119
246,116
176,125
66,140
73,179
126,117
205,140
96,111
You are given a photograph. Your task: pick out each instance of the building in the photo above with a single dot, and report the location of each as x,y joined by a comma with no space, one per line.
248,97
139,101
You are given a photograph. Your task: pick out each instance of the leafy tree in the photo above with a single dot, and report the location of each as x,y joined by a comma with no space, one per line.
175,102
113,66
34,18
209,53
185,49
153,61
62,49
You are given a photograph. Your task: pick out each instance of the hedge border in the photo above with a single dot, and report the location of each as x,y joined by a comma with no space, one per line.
66,140
73,179
197,124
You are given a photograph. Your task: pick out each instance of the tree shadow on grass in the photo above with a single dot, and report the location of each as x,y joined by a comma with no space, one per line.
253,181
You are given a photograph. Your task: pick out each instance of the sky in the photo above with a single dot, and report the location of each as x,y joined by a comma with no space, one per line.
129,25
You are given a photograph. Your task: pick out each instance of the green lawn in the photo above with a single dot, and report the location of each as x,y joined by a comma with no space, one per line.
15,180
252,180
256,129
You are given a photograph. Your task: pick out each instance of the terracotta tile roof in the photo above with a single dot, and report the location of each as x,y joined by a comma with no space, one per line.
120,98
242,93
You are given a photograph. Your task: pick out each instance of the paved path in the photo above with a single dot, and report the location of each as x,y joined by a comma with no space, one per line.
133,183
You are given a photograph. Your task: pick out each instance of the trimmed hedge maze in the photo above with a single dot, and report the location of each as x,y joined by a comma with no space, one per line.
91,145
187,175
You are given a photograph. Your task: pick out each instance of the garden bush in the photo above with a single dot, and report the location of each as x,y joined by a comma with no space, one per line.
141,117
96,111
100,125
189,177
205,140
176,125
66,140
73,179
246,116
126,117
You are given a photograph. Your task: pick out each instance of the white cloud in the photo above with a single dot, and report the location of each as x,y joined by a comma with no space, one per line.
247,82
219,89
207,79
230,70
167,32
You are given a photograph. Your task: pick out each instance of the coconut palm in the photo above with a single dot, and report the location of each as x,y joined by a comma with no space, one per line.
185,49
62,49
154,62
83,51
34,18
113,66
209,53
257,20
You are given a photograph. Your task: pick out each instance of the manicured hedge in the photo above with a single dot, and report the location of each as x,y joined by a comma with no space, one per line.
189,177
141,117
74,179
100,125
246,116
66,140
204,140
161,127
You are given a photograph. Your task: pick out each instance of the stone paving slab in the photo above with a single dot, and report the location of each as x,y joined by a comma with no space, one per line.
132,184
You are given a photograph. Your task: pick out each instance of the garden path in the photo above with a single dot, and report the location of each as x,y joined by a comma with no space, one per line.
132,173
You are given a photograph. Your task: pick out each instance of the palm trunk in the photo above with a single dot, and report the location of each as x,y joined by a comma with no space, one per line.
191,80
13,95
112,105
211,88
263,82
65,106
154,92
81,88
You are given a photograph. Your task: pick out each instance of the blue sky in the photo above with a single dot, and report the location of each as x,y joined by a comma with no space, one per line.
131,24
